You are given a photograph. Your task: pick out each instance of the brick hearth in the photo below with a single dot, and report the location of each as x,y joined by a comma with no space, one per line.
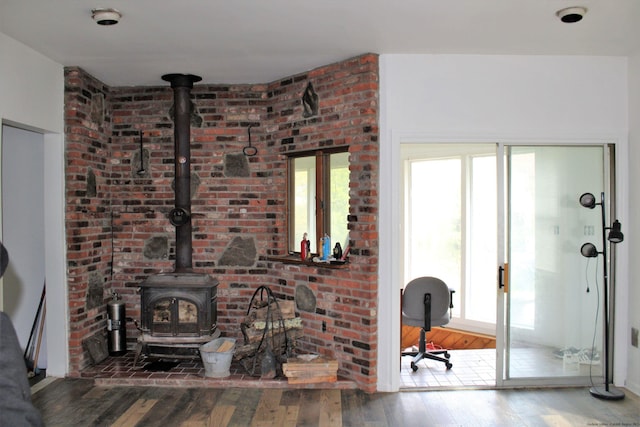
188,373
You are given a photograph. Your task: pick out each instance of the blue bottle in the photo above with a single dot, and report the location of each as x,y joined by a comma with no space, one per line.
326,247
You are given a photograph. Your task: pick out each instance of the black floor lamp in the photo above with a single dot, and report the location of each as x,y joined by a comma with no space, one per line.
589,250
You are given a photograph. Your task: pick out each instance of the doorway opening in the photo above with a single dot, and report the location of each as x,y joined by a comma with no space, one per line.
23,234
450,228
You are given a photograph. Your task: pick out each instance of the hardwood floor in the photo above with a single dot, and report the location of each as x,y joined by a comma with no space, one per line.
78,402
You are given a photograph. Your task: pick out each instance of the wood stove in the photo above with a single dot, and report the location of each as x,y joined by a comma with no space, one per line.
179,309
178,314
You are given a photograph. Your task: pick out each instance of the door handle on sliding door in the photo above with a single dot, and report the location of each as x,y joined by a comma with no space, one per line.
503,277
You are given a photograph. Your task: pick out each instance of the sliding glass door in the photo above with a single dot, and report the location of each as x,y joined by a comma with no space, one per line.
551,294
450,222
472,208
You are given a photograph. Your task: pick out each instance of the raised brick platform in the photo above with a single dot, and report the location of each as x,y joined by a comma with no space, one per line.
187,373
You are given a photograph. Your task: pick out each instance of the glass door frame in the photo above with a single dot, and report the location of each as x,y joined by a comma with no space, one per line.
390,274
502,374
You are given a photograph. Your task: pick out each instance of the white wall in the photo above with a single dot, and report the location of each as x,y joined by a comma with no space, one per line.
32,97
633,228
463,98
32,87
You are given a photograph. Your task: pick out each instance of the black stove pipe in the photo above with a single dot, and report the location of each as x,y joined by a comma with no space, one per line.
180,216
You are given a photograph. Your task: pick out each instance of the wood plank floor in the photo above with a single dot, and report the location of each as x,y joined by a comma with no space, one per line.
78,402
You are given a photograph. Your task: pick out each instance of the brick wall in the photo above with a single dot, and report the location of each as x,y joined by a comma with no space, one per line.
88,212
346,299
130,209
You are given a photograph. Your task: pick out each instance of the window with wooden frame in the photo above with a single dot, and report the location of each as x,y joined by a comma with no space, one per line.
318,199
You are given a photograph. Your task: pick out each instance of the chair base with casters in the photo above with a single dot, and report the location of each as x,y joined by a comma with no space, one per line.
426,302
423,353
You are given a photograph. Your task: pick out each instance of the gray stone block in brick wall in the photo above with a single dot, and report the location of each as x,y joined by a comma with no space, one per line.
236,165
240,252
95,292
97,108
305,299
156,247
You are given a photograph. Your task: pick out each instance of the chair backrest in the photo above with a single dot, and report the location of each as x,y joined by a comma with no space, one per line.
413,301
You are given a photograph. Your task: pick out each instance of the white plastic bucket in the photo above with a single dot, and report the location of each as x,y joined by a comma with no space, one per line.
217,363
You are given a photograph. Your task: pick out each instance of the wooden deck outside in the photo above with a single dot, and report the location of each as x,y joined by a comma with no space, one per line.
451,339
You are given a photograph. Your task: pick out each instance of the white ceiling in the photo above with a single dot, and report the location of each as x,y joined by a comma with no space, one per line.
259,41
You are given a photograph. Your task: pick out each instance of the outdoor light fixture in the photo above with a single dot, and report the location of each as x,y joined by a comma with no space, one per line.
589,250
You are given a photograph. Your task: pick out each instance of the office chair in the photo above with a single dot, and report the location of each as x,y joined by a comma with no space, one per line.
426,302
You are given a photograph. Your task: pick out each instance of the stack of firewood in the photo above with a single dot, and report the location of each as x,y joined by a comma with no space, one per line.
270,331
310,368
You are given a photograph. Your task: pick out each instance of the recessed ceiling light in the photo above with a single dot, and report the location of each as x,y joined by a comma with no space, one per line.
570,15
106,16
